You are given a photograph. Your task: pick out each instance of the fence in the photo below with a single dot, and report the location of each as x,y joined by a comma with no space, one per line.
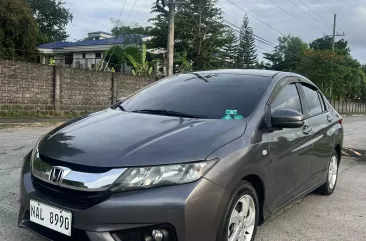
37,88
347,107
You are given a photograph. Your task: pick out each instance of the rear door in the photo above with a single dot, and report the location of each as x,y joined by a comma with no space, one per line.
320,120
290,148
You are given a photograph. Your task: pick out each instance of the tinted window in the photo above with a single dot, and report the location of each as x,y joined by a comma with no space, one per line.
206,95
312,100
288,98
98,55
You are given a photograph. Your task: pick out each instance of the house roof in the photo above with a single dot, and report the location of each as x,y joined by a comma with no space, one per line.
133,39
100,32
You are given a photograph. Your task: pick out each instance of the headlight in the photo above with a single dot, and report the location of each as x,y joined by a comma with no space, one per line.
34,154
145,177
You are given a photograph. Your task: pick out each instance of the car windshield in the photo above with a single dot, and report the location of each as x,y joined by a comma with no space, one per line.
200,95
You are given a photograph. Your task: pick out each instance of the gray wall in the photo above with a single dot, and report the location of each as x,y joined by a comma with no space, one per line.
36,88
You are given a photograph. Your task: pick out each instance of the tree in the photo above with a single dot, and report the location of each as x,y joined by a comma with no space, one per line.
325,43
160,25
116,56
247,53
182,62
288,54
325,69
52,18
120,28
132,34
18,31
142,67
230,49
199,30
202,32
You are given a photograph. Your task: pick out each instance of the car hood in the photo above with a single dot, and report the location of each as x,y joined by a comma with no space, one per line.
113,138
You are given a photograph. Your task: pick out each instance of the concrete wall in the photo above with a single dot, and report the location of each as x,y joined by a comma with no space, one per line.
32,88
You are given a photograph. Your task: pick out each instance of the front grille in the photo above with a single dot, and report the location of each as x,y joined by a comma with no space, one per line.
74,167
90,198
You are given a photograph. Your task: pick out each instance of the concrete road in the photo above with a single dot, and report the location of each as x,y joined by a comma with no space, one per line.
341,216
355,132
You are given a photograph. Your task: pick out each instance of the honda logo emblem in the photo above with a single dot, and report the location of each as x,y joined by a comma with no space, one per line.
56,175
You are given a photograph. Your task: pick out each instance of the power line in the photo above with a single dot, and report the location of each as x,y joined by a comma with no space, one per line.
308,14
133,7
314,12
119,17
256,36
271,45
260,20
294,16
238,15
263,49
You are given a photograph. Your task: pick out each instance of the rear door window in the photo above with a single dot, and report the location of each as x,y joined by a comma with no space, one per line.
312,100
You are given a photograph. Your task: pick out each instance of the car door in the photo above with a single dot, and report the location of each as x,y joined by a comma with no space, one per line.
320,120
290,148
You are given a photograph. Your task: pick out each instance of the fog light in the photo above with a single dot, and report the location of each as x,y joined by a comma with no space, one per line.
157,235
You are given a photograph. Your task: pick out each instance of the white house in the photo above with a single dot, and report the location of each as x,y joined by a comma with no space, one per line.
87,54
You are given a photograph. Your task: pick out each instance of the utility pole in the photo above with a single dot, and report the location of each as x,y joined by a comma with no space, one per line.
334,35
334,31
172,4
171,17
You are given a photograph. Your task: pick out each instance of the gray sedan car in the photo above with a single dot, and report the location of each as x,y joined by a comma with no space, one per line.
203,156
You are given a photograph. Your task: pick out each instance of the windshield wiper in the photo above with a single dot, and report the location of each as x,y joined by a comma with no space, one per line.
121,107
118,105
168,113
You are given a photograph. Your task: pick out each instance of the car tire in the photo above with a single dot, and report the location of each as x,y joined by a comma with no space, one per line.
332,176
242,215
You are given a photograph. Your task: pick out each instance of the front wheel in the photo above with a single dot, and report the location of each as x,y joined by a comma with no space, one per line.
328,187
241,219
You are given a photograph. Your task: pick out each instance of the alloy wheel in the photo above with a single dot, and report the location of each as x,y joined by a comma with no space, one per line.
242,220
332,172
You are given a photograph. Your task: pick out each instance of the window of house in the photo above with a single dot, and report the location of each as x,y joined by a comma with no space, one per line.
288,98
84,56
93,66
312,100
98,55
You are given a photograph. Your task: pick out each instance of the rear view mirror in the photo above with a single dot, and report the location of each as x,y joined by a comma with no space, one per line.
285,118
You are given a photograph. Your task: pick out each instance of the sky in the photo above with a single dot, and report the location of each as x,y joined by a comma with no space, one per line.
308,19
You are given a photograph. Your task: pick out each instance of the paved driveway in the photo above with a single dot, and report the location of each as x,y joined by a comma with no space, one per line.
341,216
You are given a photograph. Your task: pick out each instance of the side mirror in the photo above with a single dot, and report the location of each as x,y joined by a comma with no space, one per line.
285,118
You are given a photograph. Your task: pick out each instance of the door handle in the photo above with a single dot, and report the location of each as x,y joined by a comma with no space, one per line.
307,130
329,118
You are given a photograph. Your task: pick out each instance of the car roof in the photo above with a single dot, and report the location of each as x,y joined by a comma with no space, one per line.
257,72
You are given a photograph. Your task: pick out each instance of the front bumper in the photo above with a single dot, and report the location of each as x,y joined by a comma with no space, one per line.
190,212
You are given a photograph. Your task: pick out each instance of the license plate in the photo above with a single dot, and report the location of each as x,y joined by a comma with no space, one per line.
53,218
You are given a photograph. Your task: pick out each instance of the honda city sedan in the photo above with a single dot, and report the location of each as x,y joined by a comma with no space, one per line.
202,156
